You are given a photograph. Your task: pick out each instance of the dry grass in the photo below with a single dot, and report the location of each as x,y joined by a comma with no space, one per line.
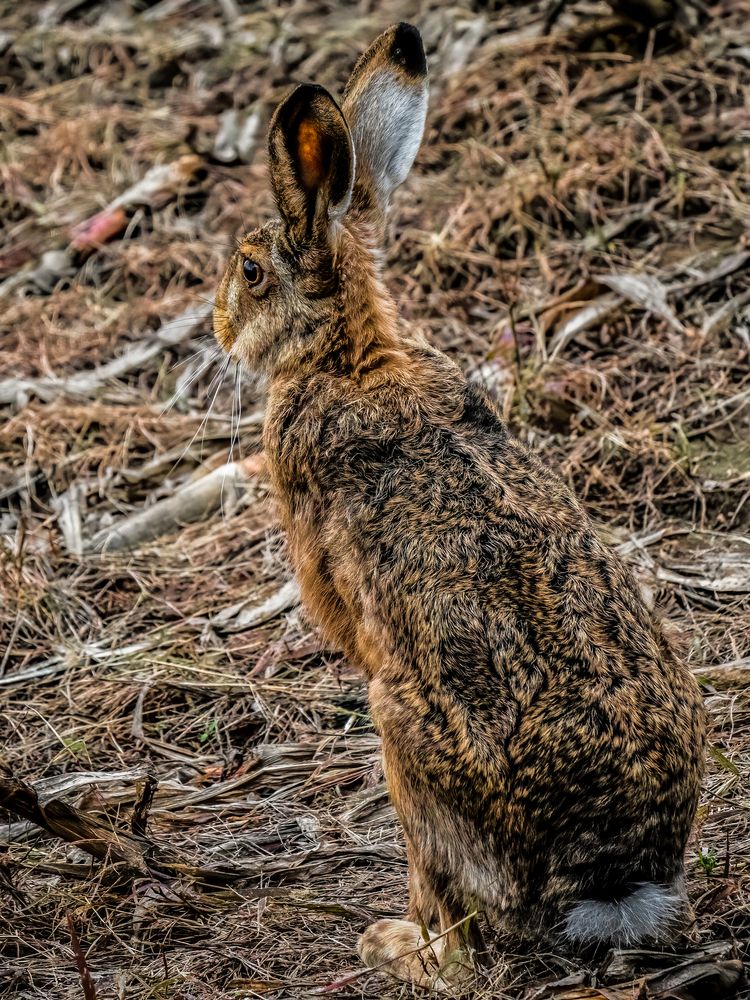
575,232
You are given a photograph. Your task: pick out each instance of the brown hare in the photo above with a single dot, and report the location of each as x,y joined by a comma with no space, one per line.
542,742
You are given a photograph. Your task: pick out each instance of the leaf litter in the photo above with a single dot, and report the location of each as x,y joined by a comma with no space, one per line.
191,794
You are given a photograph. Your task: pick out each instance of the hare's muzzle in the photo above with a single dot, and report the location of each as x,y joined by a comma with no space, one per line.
222,316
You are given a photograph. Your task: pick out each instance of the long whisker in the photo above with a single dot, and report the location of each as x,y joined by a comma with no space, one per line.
218,376
216,380
183,361
235,439
204,422
210,357
233,427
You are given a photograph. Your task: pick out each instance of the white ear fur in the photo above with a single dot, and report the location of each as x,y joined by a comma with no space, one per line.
387,124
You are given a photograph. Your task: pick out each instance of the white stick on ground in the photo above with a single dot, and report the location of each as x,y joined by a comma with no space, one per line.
194,502
243,615
88,383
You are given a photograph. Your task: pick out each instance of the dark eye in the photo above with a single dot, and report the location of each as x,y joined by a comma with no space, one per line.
252,272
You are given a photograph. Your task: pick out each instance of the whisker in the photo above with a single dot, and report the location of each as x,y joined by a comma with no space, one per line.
203,349
234,429
235,439
204,422
217,380
180,392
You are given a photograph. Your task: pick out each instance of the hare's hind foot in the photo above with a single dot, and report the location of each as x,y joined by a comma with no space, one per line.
439,964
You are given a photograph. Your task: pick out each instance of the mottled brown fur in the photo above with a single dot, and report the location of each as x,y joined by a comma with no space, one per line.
542,741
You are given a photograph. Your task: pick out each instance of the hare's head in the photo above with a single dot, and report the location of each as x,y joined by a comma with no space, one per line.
293,285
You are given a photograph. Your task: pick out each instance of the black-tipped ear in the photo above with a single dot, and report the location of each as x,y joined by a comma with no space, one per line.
385,103
311,161
407,50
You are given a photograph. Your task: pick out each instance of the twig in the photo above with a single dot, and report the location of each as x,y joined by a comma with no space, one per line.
89,990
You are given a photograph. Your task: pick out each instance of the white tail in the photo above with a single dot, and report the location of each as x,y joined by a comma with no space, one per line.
648,914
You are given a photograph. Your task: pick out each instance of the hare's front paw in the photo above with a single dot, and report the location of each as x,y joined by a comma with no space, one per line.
401,948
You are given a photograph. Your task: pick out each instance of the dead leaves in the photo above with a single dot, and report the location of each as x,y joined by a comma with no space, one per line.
712,972
158,186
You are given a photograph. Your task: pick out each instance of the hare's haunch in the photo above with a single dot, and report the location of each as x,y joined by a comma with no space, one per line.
542,741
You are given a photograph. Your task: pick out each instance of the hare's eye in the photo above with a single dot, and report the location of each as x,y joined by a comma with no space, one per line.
252,272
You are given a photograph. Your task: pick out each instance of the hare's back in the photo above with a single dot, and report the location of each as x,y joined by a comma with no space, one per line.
479,562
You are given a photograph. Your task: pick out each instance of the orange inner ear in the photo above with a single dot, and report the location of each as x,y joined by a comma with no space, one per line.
310,154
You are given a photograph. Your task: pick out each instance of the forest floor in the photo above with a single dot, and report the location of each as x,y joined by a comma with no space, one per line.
194,801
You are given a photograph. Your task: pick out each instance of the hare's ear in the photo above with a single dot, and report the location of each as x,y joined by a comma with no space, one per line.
311,162
385,104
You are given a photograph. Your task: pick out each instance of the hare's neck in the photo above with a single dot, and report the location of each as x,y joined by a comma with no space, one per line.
368,314
355,332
